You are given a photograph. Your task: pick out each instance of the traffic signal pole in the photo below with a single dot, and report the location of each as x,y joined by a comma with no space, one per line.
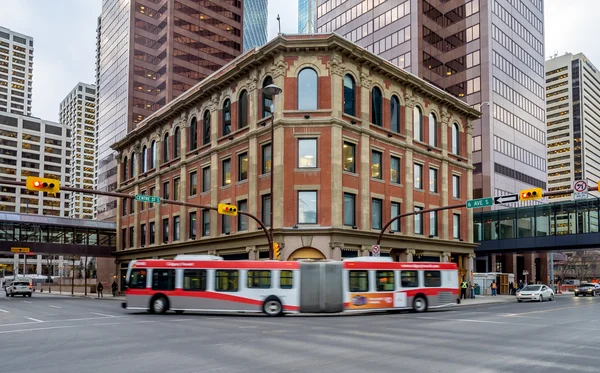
167,201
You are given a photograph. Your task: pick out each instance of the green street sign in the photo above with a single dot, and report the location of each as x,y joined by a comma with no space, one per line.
145,198
481,202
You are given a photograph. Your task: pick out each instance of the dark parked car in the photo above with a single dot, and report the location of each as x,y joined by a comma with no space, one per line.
586,289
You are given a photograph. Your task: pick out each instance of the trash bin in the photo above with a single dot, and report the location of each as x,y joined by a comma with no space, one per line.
477,289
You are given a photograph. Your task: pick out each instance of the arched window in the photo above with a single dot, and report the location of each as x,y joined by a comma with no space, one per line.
243,110
349,95
193,134
455,141
176,143
377,107
227,117
144,159
267,100
307,89
417,124
133,167
395,114
432,130
153,155
166,148
125,165
206,128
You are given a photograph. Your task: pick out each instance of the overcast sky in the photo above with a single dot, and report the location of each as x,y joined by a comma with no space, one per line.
64,33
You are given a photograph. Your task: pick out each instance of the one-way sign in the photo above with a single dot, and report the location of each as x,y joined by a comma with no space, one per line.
506,199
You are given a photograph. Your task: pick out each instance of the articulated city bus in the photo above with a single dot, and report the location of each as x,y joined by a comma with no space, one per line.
210,284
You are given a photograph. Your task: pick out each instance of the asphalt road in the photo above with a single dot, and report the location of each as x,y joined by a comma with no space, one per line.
48,334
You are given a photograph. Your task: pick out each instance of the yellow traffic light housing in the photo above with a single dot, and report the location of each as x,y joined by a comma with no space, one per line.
42,184
226,209
530,194
276,251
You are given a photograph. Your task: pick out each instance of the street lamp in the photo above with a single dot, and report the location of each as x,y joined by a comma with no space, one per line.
273,91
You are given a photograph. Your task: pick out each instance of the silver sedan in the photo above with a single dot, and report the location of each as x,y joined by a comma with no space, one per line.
538,293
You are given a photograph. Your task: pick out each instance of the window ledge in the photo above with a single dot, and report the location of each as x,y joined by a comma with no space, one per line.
307,225
204,193
396,184
222,187
419,190
456,199
307,169
434,193
265,175
245,181
350,173
378,180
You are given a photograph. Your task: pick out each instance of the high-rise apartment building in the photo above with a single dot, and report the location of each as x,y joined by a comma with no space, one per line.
255,23
490,53
33,147
150,53
16,72
78,114
573,119
307,16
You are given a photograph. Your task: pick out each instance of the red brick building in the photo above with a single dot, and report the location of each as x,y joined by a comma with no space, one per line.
357,141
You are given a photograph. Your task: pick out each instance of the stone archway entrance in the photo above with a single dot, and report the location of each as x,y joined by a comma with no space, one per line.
306,253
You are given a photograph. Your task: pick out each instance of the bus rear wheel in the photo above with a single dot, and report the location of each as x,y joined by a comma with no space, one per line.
419,304
272,306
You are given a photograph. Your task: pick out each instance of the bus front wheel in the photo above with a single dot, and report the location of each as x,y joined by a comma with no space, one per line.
419,304
159,305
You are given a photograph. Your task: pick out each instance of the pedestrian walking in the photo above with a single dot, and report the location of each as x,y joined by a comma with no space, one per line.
473,285
114,288
463,290
100,288
511,288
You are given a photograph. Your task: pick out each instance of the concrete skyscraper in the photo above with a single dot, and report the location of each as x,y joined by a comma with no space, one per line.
150,53
16,72
78,114
306,16
255,23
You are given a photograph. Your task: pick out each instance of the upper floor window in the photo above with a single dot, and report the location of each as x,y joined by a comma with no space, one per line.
432,130
376,107
376,167
227,117
243,110
166,148
226,169
144,159
307,89
349,95
125,176
206,128
153,155
395,114
242,166
266,158
176,143
417,124
193,134
455,142
307,207
133,167
349,157
307,153
267,99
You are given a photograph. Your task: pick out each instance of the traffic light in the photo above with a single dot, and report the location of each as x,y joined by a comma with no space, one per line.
276,251
226,209
530,194
41,184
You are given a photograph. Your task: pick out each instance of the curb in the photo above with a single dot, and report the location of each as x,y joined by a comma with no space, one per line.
82,296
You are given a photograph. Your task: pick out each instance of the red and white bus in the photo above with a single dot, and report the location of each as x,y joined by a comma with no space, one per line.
210,284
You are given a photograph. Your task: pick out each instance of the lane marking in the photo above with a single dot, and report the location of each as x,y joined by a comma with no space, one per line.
477,321
102,314
248,327
26,301
215,318
32,319
5,311
72,326
555,309
54,306
56,321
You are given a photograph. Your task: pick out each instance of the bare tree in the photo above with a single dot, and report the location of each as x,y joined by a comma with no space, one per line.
581,265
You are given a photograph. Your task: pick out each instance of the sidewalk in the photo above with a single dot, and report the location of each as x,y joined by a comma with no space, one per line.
486,299
81,295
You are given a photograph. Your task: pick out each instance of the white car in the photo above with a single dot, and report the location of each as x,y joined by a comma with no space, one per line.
538,293
19,287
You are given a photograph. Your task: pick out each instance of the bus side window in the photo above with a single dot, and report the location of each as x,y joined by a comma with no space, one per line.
194,279
359,281
409,279
286,279
433,279
137,278
385,280
227,280
163,279
259,279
